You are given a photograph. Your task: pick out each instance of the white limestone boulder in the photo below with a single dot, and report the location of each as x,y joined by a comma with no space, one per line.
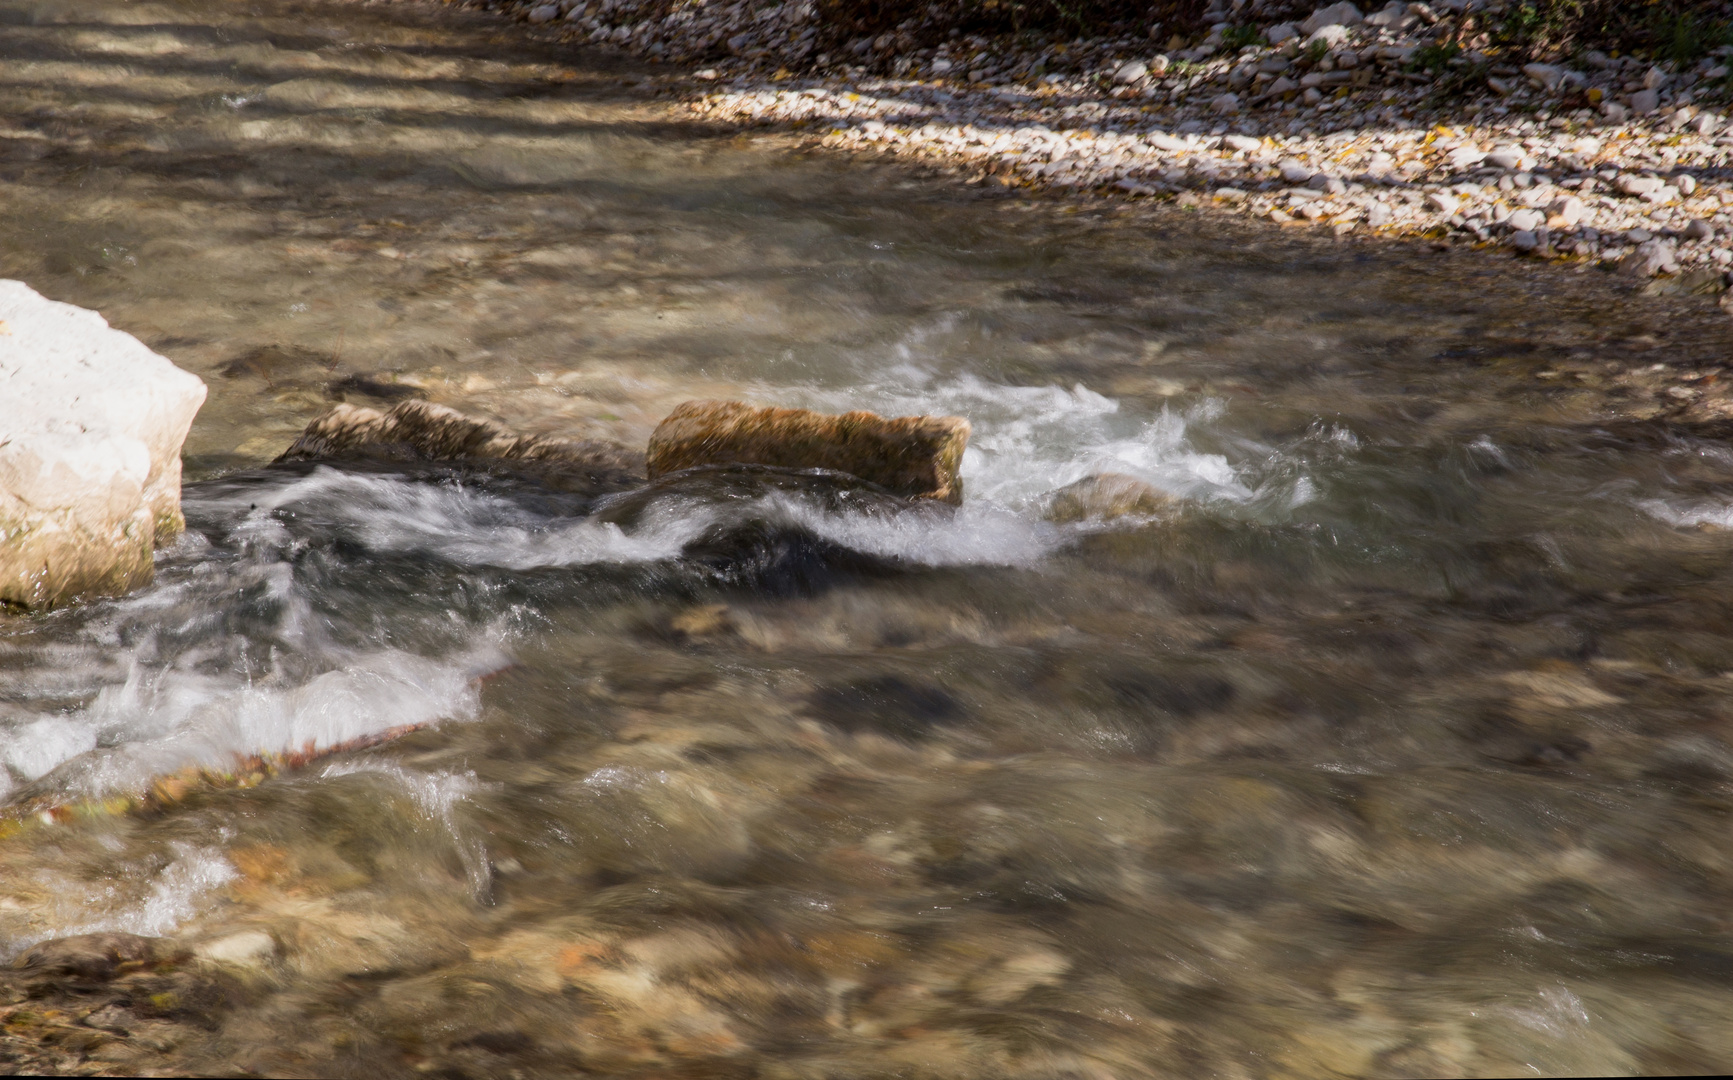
91,427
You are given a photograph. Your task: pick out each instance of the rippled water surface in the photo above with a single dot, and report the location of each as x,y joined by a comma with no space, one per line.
1397,747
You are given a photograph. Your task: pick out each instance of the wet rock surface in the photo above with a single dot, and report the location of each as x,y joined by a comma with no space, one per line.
417,432
1105,497
1397,745
915,456
106,1004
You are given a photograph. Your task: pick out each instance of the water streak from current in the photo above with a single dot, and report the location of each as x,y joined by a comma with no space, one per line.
1398,745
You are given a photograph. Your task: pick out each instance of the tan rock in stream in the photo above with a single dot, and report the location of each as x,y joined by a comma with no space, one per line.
1105,496
91,427
915,456
421,431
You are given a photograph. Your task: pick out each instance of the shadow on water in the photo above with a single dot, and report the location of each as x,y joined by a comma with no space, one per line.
1396,745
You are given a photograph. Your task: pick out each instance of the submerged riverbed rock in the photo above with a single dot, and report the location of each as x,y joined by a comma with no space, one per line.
914,456
1104,497
90,438
419,431
95,957
106,1004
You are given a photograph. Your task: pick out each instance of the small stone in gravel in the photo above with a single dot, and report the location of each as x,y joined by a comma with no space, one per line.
1130,72
1651,258
544,13
1565,213
1644,102
1243,143
1505,159
1639,185
1392,16
1442,203
1226,103
1294,171
1699,230
1280,32
1544,76
1524,240
1342,14
1464,157
1686,184
1526,220
1378,215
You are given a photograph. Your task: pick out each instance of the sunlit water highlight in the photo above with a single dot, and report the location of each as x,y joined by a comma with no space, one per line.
1398,745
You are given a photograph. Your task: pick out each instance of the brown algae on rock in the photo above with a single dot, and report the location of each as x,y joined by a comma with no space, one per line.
915,456
416,430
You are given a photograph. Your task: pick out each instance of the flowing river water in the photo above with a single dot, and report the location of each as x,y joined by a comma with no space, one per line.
1397,746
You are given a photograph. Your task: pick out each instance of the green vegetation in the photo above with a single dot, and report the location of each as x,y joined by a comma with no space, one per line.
1434,58
1681,31
1678,31
923,22
1686,37
1239,37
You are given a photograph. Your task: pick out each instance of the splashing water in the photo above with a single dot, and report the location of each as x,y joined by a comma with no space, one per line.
1030,440
438,796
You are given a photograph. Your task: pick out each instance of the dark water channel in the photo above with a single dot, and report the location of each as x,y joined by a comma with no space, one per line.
1399,747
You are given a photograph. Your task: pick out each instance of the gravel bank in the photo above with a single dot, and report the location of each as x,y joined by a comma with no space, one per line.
1403,121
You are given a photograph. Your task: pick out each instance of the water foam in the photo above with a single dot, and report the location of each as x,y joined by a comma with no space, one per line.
132,901
156,705
179,892
163,720
973,535
437,795
222,659
472,528
1030,440
1716,513
464,526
